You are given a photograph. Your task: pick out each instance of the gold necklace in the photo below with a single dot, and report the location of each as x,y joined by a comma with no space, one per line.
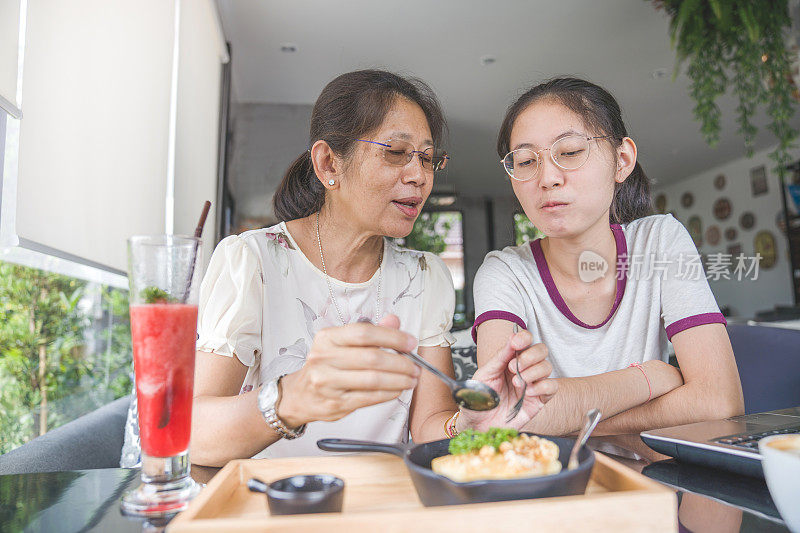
378,310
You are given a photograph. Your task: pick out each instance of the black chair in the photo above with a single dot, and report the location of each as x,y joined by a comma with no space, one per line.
465,361
769,366
91,441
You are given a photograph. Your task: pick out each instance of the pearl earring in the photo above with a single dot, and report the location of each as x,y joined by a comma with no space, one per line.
331,182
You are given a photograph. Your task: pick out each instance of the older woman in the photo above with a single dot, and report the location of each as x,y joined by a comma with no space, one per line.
285,356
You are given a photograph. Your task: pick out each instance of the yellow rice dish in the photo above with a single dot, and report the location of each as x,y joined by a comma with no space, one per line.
520,456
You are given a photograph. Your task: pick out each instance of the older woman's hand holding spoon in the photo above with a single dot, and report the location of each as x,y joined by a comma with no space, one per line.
470,394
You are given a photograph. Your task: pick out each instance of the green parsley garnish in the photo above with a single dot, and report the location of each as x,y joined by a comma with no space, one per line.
154,295
470,440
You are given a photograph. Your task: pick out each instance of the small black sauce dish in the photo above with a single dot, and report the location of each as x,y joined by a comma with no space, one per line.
313,493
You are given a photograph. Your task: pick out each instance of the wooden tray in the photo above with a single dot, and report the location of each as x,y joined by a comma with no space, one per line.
379,496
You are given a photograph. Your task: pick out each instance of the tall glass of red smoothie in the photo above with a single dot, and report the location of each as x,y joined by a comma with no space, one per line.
164,279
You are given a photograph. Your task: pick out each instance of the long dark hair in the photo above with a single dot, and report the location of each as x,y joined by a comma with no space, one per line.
348,108
600,112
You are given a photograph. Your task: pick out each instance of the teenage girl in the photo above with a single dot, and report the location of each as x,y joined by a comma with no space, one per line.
608,286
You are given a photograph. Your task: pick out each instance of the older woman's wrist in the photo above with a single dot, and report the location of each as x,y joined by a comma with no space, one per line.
288,410
461,423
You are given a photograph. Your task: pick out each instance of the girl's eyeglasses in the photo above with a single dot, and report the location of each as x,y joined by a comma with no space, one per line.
400,153
569,153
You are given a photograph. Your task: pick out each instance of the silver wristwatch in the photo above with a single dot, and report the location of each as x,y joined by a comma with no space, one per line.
268,399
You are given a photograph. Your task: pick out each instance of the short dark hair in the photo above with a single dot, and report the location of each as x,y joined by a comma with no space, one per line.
348,108
600,112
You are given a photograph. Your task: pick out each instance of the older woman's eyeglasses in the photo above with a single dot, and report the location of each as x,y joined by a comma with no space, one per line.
400,153
569,153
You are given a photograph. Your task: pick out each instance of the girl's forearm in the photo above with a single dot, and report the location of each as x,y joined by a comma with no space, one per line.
611,392
692,402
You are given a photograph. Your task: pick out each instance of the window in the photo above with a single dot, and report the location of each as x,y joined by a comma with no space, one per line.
440,232
64,350
524,230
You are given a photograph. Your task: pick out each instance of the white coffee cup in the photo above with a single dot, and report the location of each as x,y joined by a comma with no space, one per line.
780,458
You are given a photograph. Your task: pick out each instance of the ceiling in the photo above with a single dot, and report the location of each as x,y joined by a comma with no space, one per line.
615,43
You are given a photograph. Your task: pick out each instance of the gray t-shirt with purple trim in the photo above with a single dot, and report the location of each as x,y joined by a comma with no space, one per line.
661,290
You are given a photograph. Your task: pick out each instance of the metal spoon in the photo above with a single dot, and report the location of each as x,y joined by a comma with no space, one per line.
590,422
467,393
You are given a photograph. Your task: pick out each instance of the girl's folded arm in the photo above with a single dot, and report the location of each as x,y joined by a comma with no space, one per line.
711,388
611,392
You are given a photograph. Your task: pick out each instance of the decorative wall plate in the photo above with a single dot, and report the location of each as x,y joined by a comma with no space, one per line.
735,250
764,244
695,227
661,203
758,181
731,234
712,235
719,182
687,200
747,220
722,209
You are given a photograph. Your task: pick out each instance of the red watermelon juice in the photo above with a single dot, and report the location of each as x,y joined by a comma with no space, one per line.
164,338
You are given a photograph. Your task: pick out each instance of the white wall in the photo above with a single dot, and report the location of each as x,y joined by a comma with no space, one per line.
202,51
774,285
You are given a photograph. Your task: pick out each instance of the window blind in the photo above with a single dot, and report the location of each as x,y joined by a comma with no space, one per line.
95,137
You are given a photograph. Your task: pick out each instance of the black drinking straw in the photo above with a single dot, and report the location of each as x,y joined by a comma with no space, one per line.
165,410
197,233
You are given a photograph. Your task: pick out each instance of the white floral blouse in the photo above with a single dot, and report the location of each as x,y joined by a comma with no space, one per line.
263,301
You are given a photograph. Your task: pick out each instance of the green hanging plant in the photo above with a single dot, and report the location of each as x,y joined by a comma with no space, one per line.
738,43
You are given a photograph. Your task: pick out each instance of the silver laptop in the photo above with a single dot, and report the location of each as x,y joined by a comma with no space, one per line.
730,444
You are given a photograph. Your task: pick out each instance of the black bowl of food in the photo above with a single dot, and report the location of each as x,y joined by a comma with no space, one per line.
312,493
441,477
